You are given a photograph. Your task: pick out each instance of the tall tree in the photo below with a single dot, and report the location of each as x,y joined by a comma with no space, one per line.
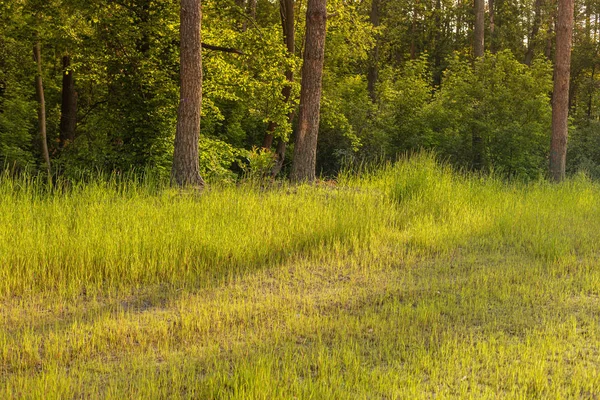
185,170
560,95
492,13
478,52
373,71
39,88
286,10
305,150
478,32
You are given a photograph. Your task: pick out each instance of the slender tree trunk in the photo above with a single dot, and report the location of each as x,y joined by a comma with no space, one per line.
413,33
39,88
458,21
252,9
478,33
591,94
305,151
478,52
537,20
286,10
250,12
440,32
68,110
492,37
185,171
549,44
373,71
560,95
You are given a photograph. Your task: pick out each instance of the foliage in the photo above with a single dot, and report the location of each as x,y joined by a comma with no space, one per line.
502,100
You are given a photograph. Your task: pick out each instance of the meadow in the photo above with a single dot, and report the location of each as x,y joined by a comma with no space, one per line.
407,281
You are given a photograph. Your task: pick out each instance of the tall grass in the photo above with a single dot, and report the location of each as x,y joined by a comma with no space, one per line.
108,235
409,280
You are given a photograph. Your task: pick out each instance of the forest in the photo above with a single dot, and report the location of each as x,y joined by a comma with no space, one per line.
299,199
398,77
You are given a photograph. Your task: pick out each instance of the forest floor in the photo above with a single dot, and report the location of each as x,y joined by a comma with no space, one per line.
408,282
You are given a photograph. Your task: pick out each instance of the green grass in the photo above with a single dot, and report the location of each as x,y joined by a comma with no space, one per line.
407,282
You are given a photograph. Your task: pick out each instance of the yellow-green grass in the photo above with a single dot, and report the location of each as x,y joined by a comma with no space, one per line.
407,282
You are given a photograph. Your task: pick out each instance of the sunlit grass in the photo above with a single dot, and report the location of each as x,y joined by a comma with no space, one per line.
411,281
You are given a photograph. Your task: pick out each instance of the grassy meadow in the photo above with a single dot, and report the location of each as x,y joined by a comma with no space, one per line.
407,282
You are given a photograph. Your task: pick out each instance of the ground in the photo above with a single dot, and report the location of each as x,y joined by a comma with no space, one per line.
408,282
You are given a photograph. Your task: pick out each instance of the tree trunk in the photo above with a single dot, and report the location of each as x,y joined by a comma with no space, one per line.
305,151
68,109
373,71
286,10
252,9
560,95
537,19
413,34
478,52
478,32
549,44
492,26
250,12
185,171
39,88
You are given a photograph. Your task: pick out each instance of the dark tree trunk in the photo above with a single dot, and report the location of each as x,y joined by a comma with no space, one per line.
250,12
373,71
185,171
492,26
413,34
68,109
478,52
591,94
549,44
478,32
537,19
286,10
305,150
252,9
560,95
39,89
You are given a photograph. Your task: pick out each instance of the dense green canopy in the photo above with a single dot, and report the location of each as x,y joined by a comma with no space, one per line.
426,90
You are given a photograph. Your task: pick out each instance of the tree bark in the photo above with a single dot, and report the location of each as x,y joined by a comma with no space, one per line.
373,71
305,150
39,88
492,40
478,33
478,52
185,171
68,109
560,95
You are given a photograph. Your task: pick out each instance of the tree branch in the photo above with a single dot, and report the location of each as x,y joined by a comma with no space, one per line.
224,49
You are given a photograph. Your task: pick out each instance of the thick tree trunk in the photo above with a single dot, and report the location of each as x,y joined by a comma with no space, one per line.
537,20
305,150
68,109
185,171
286,10
560,95
39,88
373,71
